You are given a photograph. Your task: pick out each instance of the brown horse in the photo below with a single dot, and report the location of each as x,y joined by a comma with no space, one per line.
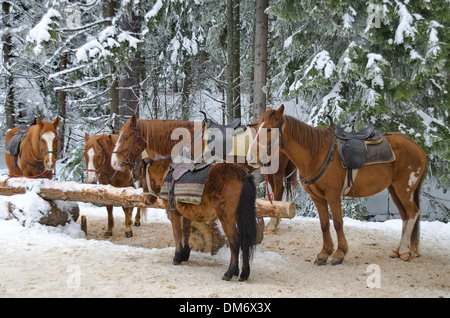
229,195
309,149
97,153
155,134
37,154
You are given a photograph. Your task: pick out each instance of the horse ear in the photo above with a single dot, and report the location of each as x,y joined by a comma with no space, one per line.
56,122
39,122
86,136
279,112
268,108
133,120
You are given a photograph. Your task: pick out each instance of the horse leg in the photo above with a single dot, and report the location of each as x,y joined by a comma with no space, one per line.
128,221
186,232
338,223
176,220
110,226
402,212
230,229
137,218
278,189
409,239
327,249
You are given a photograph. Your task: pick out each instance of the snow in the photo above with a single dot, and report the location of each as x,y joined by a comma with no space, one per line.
40,33
405,27
13,233
154,10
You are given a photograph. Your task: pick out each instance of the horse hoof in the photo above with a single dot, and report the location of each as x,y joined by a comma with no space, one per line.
137,224
128,234
394,254
405,256
320,262
107,234
336,261
226,278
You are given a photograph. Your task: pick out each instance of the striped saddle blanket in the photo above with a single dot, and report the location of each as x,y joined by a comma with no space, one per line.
188,188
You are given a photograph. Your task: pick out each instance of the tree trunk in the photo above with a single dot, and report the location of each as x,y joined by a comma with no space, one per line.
129,82
185,109
108,8
7,48
236,62
62,109
260,57
233,95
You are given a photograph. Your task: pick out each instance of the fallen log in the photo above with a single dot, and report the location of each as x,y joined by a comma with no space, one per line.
109,195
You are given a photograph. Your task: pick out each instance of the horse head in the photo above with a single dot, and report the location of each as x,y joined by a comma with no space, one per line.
264,150
129,145
97,151
48,142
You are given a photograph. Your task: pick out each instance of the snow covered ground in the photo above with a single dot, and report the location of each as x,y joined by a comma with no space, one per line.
42,261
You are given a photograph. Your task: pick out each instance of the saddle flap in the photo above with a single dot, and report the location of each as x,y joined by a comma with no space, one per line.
13,145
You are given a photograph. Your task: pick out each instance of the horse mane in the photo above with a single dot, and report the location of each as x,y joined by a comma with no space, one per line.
313,139
157,133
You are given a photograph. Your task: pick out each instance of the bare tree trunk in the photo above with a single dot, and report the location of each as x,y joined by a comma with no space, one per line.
260,57
62,108
108,8
7,47
185,109
236,64
230,80
129,82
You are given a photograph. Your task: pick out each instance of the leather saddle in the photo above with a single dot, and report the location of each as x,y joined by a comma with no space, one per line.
219,137
353,145
13,146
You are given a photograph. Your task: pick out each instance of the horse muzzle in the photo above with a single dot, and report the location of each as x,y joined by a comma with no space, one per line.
115,163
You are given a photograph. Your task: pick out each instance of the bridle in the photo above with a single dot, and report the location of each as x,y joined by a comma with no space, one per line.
308,181
99,171
136,139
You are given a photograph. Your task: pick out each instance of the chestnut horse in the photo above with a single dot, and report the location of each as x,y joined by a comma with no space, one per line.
229,195
309,148
97,153
155,134
38,150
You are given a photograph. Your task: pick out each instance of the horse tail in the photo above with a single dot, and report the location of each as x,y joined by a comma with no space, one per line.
247,216
415,235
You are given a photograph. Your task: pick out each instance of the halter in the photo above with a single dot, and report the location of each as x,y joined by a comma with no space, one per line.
137,138
100,169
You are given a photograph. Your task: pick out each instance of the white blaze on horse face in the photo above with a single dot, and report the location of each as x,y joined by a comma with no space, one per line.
114,158
49,137
91,174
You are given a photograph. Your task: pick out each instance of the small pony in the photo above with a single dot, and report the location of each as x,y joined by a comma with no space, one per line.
97,153
229,195
36,152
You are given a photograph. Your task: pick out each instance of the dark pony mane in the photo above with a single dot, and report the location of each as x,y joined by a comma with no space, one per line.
313,139
157,133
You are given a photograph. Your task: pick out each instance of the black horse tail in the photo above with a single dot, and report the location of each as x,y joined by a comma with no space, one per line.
247,217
